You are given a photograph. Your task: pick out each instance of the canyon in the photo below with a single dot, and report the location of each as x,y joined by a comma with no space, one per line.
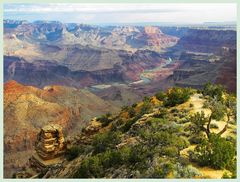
68,73
79,55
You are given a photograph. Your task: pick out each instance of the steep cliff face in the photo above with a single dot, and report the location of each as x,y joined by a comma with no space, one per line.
227,73
153,38
175,31
210,41
200,68
39,73
81,67
50,31
26,109
197,69
39,30
114,37
207,55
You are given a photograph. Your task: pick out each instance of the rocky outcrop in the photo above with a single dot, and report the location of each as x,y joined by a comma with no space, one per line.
50,142
49,149
93,127
153,38
228,71
152,30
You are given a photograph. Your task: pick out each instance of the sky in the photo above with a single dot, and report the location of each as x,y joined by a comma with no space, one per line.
122,13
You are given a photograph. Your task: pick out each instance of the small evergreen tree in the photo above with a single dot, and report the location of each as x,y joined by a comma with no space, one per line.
160,95
214,91
177,96
215,152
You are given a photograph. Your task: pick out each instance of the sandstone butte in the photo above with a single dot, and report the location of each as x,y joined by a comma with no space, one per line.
49,149
156,38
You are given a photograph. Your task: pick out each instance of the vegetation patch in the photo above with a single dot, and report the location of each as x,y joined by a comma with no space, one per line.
162,131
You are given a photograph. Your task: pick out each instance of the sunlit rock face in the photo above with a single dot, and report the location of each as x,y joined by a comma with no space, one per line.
50,142
49,149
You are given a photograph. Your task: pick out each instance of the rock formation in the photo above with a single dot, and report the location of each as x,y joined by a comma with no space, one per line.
50,147
49,151
151,30
50,142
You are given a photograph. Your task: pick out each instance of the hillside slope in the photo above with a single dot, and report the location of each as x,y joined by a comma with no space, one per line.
27,108
161,137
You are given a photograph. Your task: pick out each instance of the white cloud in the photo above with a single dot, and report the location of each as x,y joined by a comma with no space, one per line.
161,12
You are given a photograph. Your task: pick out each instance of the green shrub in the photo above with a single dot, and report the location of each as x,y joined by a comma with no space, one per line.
174,110
73,152
104,119
218,110
126,127
214,91
147,99
131,112
177,96
217,152
156,122
95,166
125,154
124,108
162,170
111,158
226,175
181,143
162,113
197,122
137,154
105,141
189,171
197,139
170,151
134,105
146,108
160,95
90,167
231,139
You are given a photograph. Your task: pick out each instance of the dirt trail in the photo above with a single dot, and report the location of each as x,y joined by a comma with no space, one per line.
197,101
210,172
